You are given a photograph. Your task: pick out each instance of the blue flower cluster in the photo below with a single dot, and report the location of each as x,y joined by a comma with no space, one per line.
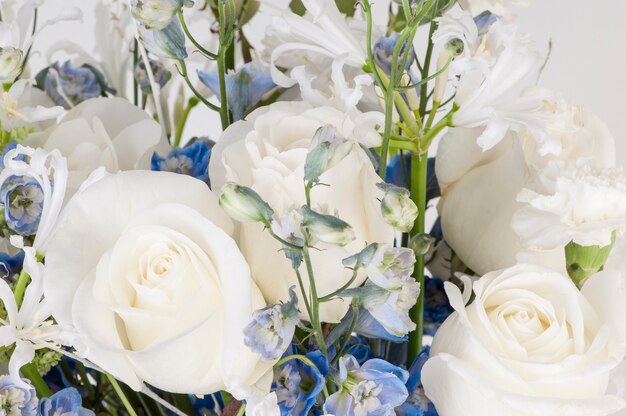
64,403
192,160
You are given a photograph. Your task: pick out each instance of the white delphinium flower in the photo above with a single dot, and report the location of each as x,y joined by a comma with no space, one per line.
17,36
49,171
494,99
397,207
30,325
332,48
22,105
501,8
572,201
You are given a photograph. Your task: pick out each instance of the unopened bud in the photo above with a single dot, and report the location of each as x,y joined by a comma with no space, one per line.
11,61
245,205
326,228
584,261
397,207
327,150
156,14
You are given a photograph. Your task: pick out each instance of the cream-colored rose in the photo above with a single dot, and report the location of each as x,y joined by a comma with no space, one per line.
479,189
143,266
102,132
267,153
529,344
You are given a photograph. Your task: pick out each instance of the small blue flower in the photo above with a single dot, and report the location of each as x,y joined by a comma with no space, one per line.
64,403
160,73
68,86
359,348
10,265
244,89
192,160
484,21
373,389
17,400
272,328
297,385
9,146
436,305
167,43
23,203
368,326
383,52
417,404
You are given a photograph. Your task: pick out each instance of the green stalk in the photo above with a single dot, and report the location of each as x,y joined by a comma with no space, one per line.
419,170
185,75
225,42
191,103
121,395
315,305
195,43
20,287
30,372
427,59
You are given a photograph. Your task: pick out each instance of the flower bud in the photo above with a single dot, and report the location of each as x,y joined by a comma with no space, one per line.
11,61
584,261
245,205
157,14
421,244
168,43
160,73
327,150
326,228
397,207
272,328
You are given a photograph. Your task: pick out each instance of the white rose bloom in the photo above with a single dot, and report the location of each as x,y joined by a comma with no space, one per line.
479,188
530,344
143,266
102,132
267,153
572,201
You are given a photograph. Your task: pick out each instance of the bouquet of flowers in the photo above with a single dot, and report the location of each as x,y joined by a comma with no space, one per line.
385,214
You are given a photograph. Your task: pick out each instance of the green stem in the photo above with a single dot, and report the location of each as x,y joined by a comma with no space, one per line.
426,67
342,288
30,372
84,378
135,83
419,169
20,287
307,304
193,101
344,344
121,395
182,402
185,75
226,40
195,43
315,307
400,142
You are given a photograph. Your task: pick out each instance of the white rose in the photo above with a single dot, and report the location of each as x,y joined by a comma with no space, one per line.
102,132
267,153
529,344
479,189
142,265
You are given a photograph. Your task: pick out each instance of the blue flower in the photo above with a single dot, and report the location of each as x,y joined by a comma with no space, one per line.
417,404
272,328
65,402
160,73
373,389
484,21
192,160
10,265
23,203
16,400
244,89
167,43
9,146
436,305
297,385
383,52
368,326
68,86
359,348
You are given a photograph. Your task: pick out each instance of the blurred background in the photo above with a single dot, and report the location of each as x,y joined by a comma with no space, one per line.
587,64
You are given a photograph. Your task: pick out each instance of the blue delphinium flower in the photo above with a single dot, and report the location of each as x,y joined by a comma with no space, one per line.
359,348
10,265
67,85
373,389
192,160
160,73
484,21
272,328
64,402
436,305
297,384
16,400
417,404
244,88
23,203
167,43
